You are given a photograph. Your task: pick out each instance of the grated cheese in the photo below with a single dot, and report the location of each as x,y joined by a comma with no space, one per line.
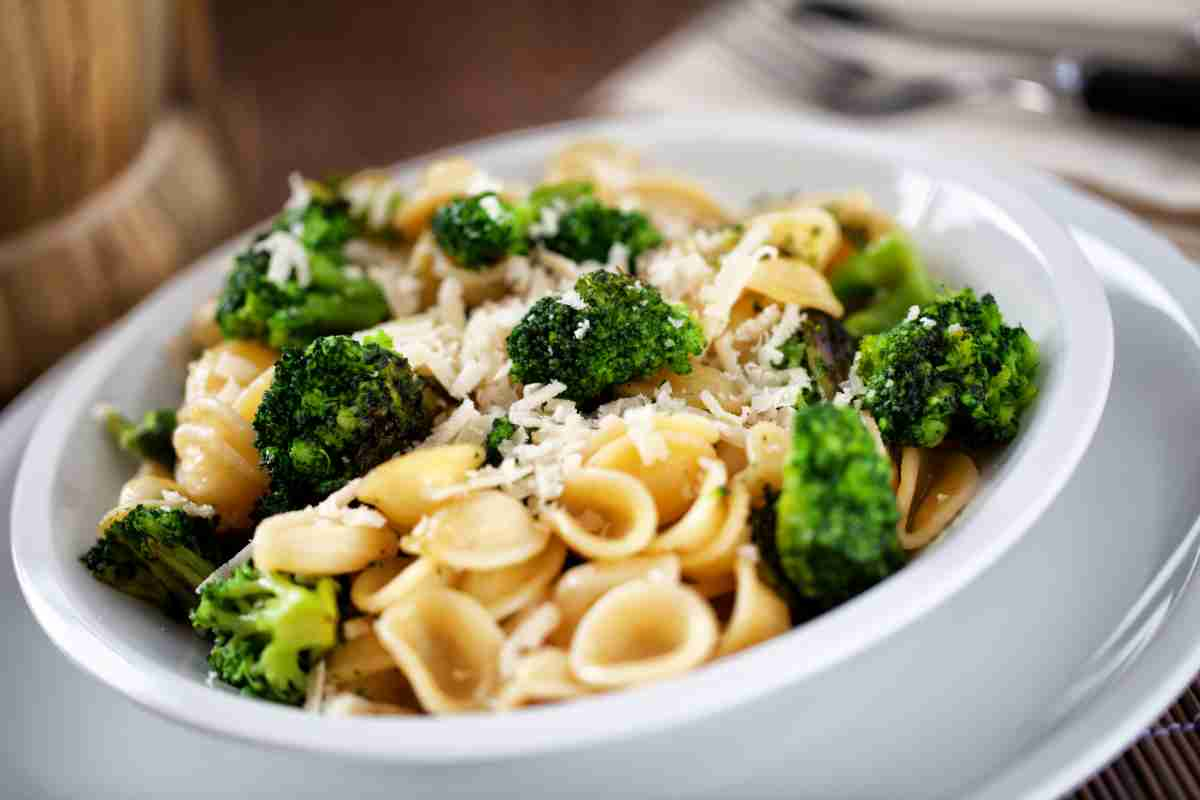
288,256
173,499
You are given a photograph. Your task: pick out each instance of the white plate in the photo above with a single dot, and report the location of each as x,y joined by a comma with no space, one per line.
972,228
993,716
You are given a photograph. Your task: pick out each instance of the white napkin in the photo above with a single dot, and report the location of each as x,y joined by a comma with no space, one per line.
1151,166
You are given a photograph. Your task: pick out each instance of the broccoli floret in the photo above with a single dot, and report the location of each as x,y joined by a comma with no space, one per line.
836,528
156,554
884,281
956,370
586,229
608,330
293,313
149,439
824,348
502,430
268,629
480,230
334,411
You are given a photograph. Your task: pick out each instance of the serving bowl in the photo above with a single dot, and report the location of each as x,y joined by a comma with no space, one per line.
973,229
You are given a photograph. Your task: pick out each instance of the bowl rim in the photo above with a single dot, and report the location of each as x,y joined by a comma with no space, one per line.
802,653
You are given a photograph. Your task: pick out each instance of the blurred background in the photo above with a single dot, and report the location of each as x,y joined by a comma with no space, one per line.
137,134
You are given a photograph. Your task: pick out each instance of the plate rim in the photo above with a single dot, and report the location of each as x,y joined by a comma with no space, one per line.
571,726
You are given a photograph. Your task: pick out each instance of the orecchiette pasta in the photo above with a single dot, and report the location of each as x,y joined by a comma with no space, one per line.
406,488
758,613
581,586
642,631
541,676
789,280
217,463
446,644
507,590
951,479
482,531
672,481
605,514
307,543
717,554
382,584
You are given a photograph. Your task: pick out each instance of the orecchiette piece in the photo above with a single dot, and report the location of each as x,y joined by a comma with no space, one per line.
717,554
507,590
250,398
380,585
705,516
432,265
541,676
205,332
446,644
405,487
605,514
672,481
306,543
217,462
952,481
481,531
758,613
614,428
608,166
145,488
642,631
809,234
676,196
222,371
581,586
348,704
357,658
767,447
790,280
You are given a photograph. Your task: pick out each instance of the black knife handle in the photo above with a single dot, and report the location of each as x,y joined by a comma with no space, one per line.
1146,93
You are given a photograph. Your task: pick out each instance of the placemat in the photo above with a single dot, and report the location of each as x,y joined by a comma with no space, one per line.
695,69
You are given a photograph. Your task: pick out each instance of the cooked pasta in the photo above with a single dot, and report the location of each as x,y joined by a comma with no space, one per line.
545,478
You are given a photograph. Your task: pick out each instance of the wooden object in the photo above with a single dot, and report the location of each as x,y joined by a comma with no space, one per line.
64,279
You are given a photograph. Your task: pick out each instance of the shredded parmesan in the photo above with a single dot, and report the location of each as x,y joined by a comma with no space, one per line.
288,257
173,499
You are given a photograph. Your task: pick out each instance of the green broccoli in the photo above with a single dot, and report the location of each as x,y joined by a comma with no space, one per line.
824,348
293,311
608,330
502,430
480,230
836,528
156,554
149,439
334,411
268,629
884,281
956,370
586,230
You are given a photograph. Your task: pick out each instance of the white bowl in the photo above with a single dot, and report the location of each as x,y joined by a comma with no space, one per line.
972,228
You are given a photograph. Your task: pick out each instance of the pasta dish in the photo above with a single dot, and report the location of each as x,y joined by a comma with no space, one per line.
473,445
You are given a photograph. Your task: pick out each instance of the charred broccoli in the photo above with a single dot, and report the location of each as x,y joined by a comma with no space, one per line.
292,285
883,281
955,370
268,629
584,229
156,554
835,532
608,330
149,439
334,411
824,348
480,230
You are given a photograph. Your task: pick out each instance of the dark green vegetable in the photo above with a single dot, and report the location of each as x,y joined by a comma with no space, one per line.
149,439
335,410
156,554
289,314
502,430
883,281
824,348
587,229
609,330
480,230
836,527
268,629
955,371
